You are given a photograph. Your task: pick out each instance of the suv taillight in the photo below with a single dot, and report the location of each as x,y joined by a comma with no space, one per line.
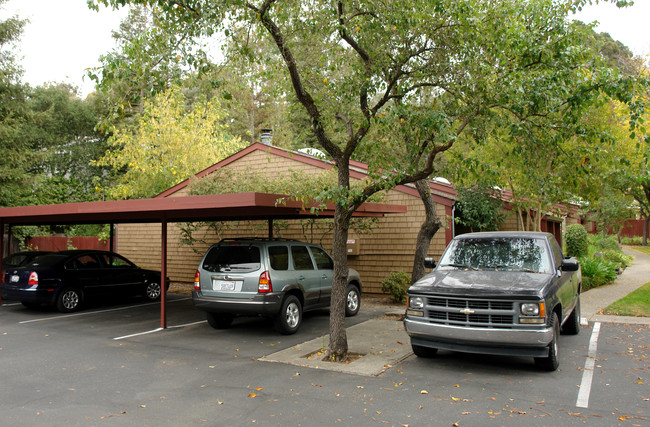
33,279
264,285
197,281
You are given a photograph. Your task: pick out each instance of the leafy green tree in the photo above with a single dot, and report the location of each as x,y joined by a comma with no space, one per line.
612,210
169,144
15,155
479,208
148,59
413,74
61,134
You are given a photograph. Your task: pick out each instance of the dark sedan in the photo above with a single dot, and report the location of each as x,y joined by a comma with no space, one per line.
66,279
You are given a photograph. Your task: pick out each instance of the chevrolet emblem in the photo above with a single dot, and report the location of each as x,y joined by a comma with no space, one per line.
467,311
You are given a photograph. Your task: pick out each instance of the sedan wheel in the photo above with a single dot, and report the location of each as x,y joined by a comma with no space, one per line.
152,291
69,300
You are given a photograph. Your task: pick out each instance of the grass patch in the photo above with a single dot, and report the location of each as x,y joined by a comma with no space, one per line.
644,249
636,304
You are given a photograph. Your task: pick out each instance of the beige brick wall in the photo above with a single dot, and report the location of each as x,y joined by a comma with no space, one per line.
389,248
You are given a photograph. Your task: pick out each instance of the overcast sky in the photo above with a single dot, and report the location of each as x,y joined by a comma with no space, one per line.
64,37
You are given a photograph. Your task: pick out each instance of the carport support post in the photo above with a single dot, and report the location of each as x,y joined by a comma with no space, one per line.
2,251
163,273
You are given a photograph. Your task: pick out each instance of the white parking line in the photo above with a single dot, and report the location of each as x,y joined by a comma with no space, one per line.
157,330
588,373
85,313
10,304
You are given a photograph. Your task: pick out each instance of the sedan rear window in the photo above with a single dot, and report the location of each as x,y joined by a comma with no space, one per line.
241,259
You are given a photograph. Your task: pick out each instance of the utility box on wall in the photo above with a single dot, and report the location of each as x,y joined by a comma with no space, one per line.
353,247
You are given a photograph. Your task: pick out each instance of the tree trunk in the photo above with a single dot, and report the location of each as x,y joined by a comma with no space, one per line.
338,346
645,230
428,229
252,116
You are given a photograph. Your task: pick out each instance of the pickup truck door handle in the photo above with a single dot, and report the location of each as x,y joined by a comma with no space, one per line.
301,277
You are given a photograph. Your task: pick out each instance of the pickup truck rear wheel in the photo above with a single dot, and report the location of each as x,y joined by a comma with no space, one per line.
420,351
572,324
552,361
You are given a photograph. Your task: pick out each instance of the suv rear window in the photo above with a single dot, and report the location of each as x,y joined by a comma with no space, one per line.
279,257
242,259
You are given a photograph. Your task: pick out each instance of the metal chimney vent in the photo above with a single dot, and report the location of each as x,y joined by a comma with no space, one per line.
266,136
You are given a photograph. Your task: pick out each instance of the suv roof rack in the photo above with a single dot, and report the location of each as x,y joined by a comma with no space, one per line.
258,239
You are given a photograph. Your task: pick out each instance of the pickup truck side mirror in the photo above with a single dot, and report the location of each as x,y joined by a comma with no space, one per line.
570,264
429,262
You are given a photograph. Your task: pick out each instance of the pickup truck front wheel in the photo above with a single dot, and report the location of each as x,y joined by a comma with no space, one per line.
420,351
572,324
552,361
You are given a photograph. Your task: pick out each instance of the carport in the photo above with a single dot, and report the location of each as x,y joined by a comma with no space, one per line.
218,207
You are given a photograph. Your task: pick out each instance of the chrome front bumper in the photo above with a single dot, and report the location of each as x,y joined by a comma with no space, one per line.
515,341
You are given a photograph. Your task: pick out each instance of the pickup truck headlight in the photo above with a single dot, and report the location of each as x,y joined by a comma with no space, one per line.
532,312
415,306
530,309
416,303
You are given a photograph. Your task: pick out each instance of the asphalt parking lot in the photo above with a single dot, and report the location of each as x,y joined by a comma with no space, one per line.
110,365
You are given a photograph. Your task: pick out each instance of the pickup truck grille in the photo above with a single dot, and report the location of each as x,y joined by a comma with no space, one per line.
481,313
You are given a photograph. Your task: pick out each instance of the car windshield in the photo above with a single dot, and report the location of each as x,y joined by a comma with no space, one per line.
239,259
514,254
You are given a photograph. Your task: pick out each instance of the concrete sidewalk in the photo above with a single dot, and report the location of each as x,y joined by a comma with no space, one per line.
380,343
635,276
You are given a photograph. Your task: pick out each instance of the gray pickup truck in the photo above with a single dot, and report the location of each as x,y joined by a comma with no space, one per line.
503,293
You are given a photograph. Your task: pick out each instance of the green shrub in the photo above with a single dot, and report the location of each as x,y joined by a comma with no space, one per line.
601,243
576,240
596,272
634,241
396,285
618,258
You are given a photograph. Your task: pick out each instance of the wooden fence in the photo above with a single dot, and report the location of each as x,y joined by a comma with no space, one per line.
631,228
61,243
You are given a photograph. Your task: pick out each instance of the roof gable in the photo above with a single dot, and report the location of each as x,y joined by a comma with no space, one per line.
442,193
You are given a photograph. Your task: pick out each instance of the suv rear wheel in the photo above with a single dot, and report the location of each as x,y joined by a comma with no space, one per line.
219,321
352,301
290,317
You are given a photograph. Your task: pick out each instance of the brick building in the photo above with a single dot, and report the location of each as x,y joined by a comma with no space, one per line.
388,248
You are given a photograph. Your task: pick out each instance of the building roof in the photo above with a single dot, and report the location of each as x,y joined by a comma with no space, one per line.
443,193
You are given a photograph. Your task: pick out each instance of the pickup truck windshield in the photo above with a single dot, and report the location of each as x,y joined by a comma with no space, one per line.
515,254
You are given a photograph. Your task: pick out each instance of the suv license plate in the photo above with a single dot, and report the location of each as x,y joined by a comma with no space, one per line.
223,285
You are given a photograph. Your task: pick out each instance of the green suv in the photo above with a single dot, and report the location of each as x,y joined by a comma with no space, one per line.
275,278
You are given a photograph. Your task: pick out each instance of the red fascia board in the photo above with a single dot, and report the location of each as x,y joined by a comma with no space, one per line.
177,209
